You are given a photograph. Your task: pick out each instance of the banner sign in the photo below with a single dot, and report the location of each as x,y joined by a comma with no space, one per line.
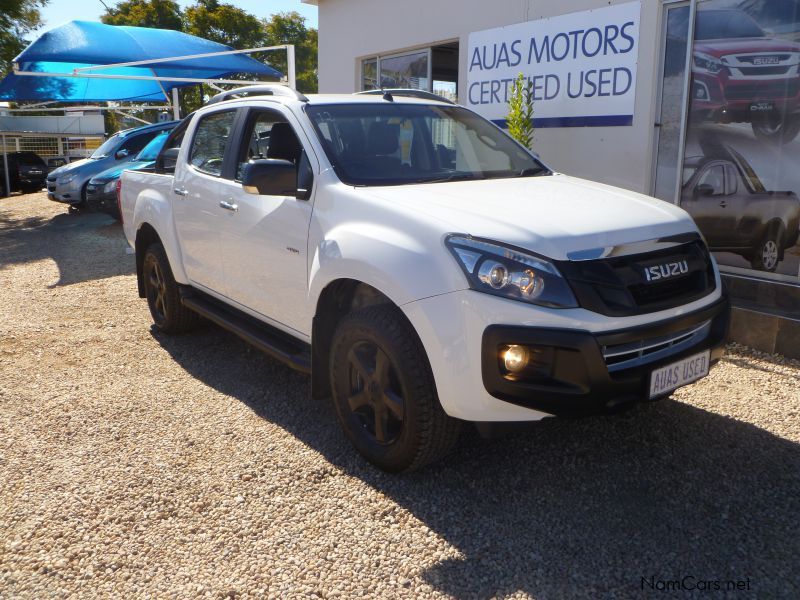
582,67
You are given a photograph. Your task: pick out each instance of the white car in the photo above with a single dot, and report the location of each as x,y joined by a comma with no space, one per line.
426,269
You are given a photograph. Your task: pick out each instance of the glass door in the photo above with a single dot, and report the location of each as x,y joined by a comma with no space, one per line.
670,126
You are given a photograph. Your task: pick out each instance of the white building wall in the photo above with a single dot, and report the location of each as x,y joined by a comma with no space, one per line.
353,29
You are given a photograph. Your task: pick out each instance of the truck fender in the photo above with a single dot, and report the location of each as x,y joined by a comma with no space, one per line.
156,213
386,258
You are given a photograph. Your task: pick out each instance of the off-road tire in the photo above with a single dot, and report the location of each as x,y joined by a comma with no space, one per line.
425,433
163,298
775,128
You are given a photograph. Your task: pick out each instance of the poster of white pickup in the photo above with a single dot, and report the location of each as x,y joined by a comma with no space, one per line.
581,66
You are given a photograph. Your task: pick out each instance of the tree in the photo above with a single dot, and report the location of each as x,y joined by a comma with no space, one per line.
17,19
161,14
290,28
224,23
520,111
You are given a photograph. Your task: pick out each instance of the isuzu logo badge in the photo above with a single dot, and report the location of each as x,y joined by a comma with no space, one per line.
666,270
766,60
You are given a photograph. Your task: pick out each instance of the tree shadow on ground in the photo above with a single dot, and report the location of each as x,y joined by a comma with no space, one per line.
573,508
85,246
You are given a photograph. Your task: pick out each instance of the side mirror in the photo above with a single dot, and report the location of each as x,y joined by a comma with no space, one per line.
121,154
270,177
704,189
167,160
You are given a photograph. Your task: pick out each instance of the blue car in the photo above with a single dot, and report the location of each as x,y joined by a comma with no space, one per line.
101,193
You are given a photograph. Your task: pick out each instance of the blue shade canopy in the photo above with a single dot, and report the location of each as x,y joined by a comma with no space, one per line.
86,43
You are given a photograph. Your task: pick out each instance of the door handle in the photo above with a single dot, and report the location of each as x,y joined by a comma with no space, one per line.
181,191
723,204
229,205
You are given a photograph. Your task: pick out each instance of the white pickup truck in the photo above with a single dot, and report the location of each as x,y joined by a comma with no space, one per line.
423,267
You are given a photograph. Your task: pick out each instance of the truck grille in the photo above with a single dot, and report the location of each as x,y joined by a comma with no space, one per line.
618,286
634,354
772,70
763,90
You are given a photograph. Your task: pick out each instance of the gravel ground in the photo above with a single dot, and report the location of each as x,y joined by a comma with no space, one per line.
134,464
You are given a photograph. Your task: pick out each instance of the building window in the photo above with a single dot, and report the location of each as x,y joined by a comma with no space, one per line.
433,69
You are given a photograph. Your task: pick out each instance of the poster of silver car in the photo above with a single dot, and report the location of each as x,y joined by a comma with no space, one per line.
680,373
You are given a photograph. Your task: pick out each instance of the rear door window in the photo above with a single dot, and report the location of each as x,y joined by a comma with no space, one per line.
210,138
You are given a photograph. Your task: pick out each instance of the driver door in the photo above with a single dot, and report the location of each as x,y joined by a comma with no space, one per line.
708,205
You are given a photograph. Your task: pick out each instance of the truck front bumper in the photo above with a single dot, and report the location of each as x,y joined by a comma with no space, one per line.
586,363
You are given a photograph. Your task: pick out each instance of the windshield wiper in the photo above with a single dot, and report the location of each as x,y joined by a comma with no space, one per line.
453,177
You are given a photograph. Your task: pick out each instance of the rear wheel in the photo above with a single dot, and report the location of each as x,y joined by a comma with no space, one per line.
168,312
384,392
767,254
776,127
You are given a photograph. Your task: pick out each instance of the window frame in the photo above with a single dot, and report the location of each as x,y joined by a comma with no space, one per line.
233,133
247,118
380,57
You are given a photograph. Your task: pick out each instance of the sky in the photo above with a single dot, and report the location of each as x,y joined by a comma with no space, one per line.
57,12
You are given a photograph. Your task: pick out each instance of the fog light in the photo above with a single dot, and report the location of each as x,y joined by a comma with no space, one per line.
515,358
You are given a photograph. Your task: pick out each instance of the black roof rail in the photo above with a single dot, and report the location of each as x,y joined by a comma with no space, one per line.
274,89
407,93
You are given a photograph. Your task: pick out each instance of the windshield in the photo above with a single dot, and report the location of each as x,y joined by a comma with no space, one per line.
725,24
106,148
30,159
150,152
393,144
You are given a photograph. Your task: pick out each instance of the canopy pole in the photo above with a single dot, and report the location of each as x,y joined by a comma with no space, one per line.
138,78
290,66
5,168
176,104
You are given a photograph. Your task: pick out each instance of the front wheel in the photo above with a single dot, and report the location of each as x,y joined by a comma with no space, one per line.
767,254
776,127
168,312
384,391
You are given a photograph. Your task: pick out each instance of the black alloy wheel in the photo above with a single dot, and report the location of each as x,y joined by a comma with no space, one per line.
384,392
163,297
375,395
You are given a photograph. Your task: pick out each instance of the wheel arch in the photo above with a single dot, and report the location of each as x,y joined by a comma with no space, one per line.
147,234
338,298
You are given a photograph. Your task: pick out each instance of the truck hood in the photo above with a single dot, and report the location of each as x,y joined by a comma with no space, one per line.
720,48
550,215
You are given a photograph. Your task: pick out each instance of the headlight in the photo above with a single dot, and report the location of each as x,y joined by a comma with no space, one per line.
709,64
503,271
67,178
110,187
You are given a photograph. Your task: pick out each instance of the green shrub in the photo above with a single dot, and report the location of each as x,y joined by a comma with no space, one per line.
520,111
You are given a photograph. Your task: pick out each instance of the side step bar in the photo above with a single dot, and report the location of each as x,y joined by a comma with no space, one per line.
266,338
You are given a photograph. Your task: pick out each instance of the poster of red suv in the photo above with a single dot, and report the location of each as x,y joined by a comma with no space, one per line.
740,176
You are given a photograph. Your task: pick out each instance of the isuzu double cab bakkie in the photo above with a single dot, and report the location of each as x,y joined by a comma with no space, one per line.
422,266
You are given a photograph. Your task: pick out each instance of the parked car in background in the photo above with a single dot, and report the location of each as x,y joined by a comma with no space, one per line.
101,192
54,162
26,172
736,213
741,74
68,183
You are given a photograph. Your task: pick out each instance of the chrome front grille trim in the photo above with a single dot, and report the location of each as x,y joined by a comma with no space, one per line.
634,354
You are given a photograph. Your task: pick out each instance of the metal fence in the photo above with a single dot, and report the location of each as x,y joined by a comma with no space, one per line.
50,146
